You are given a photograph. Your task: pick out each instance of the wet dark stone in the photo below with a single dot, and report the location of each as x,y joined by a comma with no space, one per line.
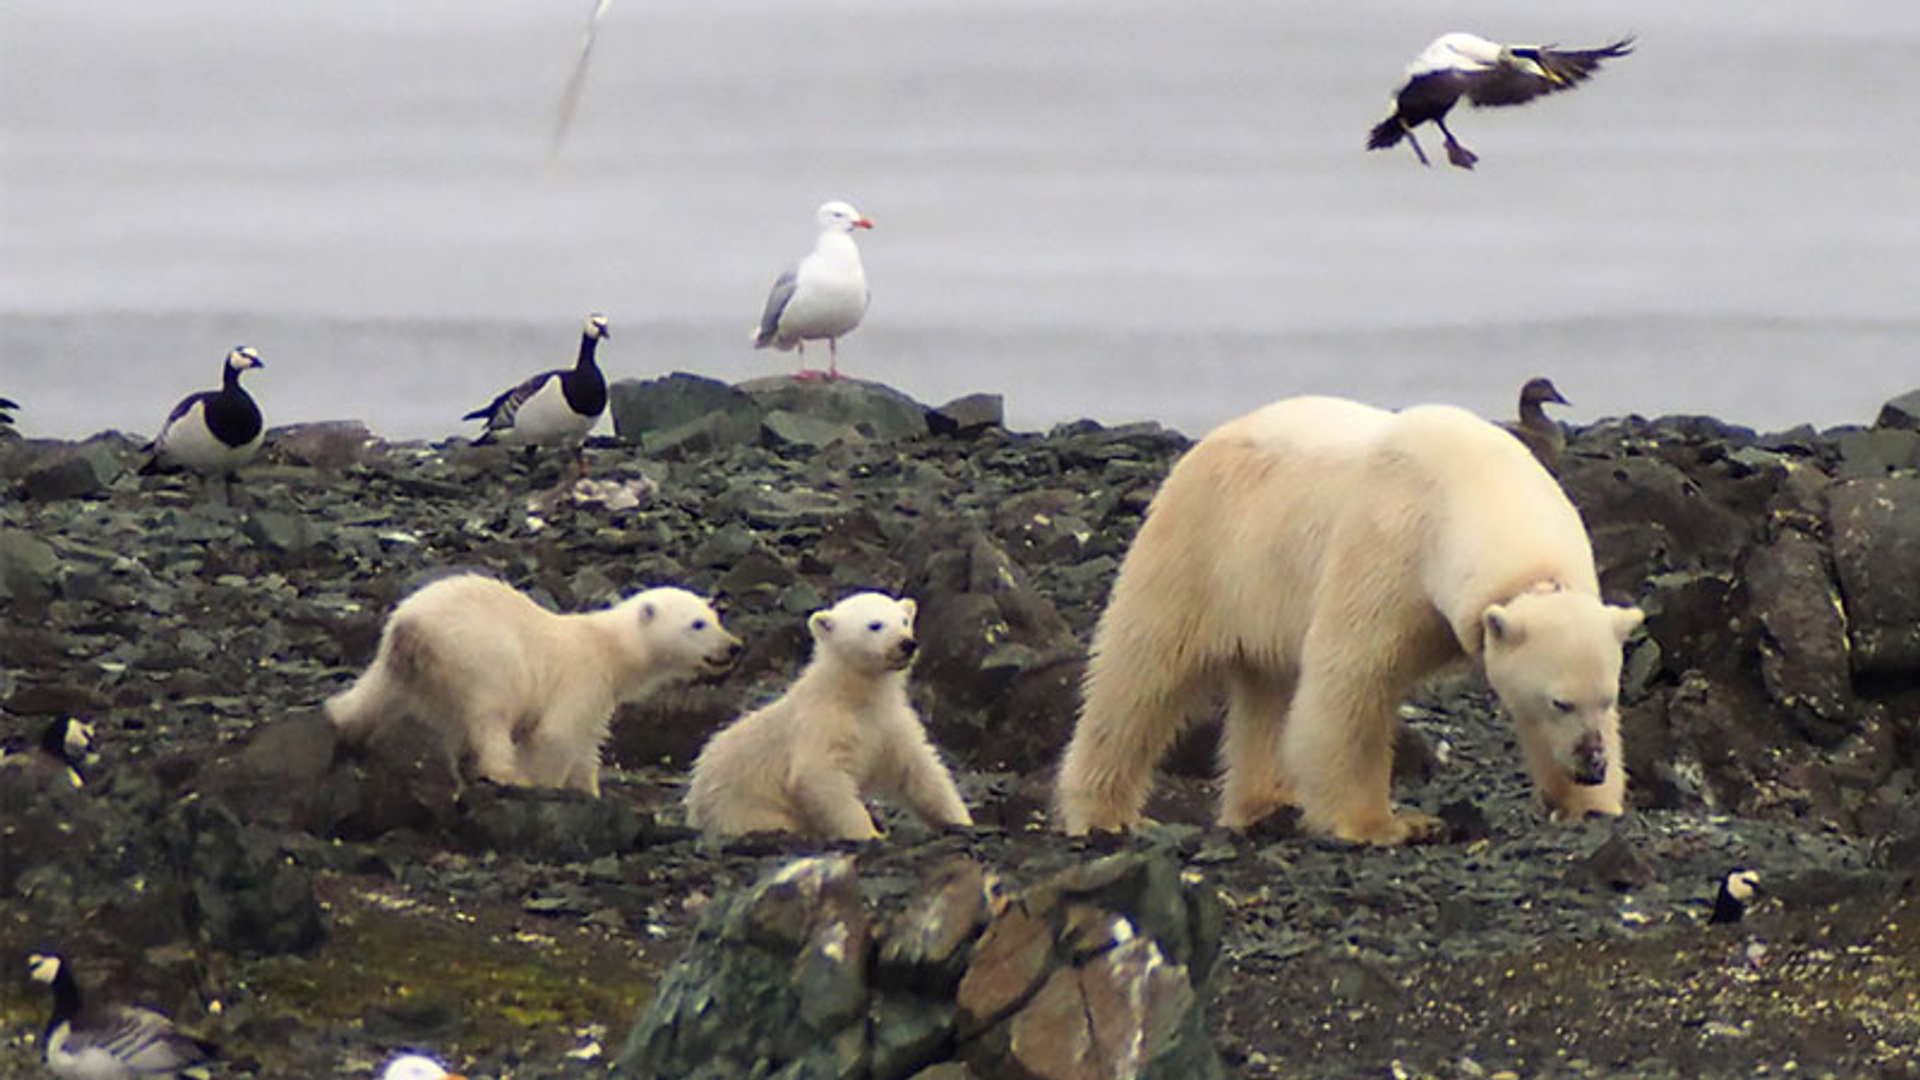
1874,531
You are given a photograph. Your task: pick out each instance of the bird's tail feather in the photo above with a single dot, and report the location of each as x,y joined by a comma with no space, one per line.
1386,133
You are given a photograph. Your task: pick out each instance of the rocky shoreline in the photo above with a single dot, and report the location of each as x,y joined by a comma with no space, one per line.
337,907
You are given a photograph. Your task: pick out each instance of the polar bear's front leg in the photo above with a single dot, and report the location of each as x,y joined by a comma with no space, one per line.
1338,742
495,757
829,802
928,788
1251,761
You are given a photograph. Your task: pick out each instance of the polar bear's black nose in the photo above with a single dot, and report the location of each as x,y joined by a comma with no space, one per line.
908,647
1590,761
733,650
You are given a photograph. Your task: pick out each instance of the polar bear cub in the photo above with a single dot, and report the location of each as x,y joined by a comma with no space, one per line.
844,730
529,694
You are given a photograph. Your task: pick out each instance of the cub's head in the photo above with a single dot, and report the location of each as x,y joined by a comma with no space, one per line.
869,632
682,631
1554,659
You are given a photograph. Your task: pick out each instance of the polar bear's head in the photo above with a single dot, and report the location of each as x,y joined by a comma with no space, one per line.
1554,659
868,632
680,632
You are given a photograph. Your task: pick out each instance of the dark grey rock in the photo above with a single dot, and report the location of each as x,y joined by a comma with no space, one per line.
85,471
29,567
878,412
784,428
1877,452
548,826
1803,640
328,445
910,1033
967,415
702,435
1902,412
1874,532
643,410
243,893
279,532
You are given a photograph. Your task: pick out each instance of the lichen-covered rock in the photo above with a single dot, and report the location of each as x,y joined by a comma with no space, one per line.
1874,530
1803,633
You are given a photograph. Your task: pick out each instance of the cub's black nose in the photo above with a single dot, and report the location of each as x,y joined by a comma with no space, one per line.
733,650
909,647
1590,762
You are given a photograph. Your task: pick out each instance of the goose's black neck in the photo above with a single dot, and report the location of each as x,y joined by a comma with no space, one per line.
589,343
230,379
585,387
54,740
66,998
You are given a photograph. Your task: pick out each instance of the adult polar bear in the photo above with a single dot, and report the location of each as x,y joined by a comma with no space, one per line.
1319,557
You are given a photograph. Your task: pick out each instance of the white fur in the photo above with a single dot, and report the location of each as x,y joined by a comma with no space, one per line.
529,693
1317,557
842,731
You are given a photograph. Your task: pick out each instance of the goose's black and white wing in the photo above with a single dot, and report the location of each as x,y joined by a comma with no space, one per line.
142,1041
499,413
1513,84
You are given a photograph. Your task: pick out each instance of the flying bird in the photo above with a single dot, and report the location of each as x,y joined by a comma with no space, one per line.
553,407
823,296
577,82
84,1041
213,432
1486,73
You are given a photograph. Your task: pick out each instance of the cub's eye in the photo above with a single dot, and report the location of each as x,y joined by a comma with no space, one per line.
876,626
1562,706
699,624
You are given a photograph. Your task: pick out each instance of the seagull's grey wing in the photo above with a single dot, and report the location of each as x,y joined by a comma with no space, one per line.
1507,84
783,287
147,1041
577,82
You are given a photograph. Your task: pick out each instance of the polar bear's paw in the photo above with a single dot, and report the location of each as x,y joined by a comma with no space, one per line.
1399,827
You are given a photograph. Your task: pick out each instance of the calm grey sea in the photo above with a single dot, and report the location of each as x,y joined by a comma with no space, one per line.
1121,209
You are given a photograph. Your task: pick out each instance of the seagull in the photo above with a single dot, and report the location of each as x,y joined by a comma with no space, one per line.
108,1042
1541,433
1488,73
1737,890
823,296
553,407
213,432
417,1067
577,82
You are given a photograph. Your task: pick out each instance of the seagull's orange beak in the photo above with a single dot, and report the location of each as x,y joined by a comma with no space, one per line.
863,223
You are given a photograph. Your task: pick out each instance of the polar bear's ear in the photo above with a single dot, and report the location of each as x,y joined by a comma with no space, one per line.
1500,625
907,605
1625,620
821,624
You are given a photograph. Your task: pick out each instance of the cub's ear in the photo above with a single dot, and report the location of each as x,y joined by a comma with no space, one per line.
1625,620
907,605
1500,625
648,613
821,623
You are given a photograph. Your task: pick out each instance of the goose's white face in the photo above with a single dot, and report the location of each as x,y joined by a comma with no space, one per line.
43,968
842,216
1742,884
244,357
596,327
79,739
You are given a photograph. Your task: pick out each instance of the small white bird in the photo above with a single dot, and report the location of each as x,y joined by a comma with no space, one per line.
824,296
1487,73
213,432
108,1042
417,1067
554,407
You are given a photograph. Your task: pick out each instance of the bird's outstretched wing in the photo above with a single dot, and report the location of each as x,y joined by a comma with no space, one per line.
577,82
783,287
1509,84
499,412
